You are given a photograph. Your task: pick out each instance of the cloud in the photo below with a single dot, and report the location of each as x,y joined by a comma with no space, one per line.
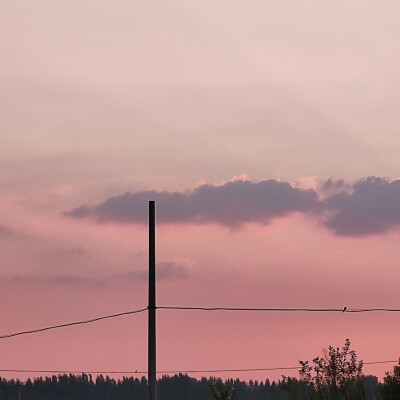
332,186
73,253
67,279
5,232
73,280
82,211
365,207
231,203
369,206
171,270
165,270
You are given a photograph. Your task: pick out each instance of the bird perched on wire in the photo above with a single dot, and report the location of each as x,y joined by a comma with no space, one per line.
344,309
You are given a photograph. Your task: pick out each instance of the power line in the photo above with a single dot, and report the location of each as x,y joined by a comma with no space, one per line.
337,310
172,371
380,362
88,321
341,310
373,309
251,309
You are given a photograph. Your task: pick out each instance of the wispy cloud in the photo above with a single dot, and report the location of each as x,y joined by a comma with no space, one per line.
166,271
5,232
71,254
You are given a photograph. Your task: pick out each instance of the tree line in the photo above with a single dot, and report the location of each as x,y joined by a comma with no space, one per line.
336,375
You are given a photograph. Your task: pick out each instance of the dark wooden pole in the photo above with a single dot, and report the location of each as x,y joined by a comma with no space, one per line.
152,380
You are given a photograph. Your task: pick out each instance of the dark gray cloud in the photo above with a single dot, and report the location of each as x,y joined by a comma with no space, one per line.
370,206
231,204
332,186
366,207
80,212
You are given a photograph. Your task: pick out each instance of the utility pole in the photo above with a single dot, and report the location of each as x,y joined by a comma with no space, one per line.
152,379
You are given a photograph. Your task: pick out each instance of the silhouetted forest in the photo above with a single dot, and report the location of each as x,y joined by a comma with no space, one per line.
337,375
180,387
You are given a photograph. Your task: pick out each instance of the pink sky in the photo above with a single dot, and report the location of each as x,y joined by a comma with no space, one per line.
216,111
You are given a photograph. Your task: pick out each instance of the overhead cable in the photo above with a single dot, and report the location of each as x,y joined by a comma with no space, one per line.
317,310
87,321
182,371
280,309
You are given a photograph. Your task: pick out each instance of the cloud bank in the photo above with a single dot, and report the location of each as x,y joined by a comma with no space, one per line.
366,207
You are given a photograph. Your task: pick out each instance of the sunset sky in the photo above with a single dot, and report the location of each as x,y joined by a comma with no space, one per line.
268,134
